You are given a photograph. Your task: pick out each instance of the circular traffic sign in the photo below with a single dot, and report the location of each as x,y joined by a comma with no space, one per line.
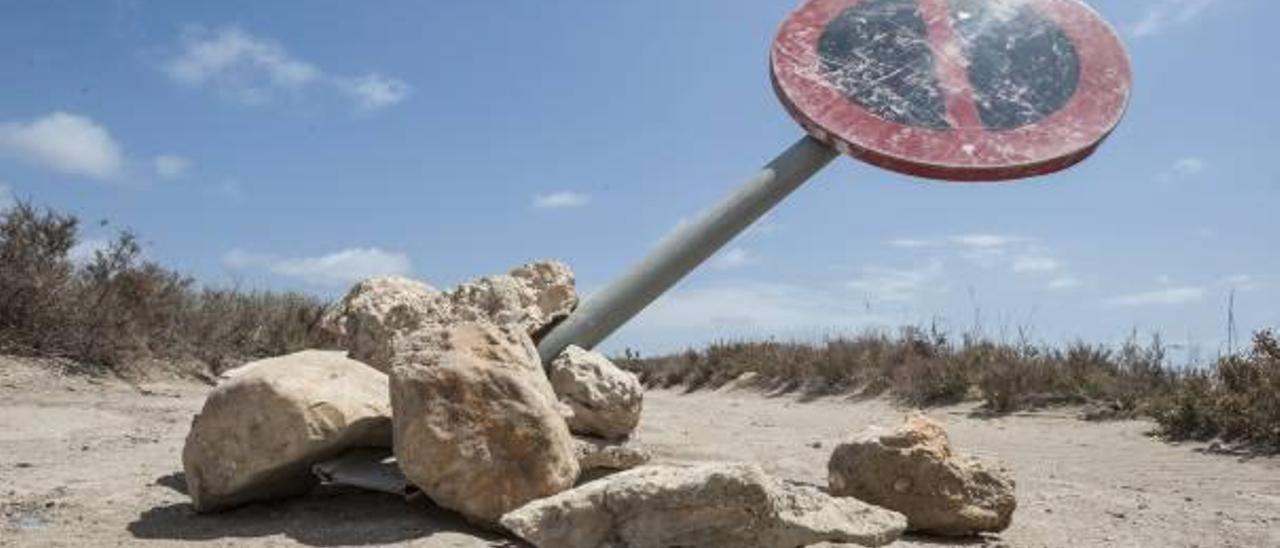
965,90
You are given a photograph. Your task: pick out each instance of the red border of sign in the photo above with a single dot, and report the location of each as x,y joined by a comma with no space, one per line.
1057,142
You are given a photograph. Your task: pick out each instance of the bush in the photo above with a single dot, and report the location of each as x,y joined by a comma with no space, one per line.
120,308
1238,400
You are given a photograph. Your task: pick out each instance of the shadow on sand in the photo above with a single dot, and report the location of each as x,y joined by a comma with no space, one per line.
327,517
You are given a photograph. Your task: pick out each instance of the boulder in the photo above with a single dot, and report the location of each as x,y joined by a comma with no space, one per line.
708,506
377,311
603,399
913,471
262,429
476,425
533,296
372,318
596,454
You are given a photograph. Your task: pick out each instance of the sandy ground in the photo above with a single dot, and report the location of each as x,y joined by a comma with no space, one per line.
96,463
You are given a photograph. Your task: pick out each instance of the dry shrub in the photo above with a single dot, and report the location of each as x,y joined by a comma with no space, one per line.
1238,400
120,308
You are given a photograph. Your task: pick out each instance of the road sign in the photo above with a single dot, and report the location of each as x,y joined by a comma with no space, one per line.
969,90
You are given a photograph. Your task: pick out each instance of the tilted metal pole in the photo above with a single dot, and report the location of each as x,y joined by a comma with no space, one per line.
604,312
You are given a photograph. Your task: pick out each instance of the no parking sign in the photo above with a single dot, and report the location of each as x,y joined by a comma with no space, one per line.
962,90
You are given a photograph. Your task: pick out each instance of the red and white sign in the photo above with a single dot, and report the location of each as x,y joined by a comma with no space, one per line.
964,90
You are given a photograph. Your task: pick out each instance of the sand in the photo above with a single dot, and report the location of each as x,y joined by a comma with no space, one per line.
87,462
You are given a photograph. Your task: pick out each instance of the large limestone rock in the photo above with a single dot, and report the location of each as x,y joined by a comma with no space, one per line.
708,506
603,399
533,296
914,471
476,423
377,313
263,428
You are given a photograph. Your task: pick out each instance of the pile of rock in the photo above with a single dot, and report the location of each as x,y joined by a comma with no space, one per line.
451,382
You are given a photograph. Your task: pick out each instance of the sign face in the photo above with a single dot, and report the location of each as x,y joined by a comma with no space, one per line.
964,90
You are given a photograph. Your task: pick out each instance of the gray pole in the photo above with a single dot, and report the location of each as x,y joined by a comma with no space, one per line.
606,311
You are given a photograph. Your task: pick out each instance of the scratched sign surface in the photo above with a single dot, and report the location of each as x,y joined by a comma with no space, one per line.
967,90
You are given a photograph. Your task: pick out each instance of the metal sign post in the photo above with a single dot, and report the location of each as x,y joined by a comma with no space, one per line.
960,90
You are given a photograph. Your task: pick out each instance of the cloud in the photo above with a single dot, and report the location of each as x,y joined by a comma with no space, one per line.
374,91
891,284
253,70
911,243
1168,296
1184,168
1064,282
740,309
560,200
338,268
1162,14
1032,263
6,196
170,166
1242,282
64,142
732,258
986,241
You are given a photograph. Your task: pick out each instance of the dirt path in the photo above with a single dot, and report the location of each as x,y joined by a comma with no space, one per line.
95,463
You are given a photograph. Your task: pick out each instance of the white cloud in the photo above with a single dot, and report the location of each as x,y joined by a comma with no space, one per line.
1168,296
1033,263
986,241
735,257
6,196
1065,282
891,284
911,243
170,166
1189,166
253,69
338,268
64,142
559,200
1242,282
1162,14
374,91
740,309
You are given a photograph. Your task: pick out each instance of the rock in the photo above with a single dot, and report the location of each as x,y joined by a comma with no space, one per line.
913,471
605,401
708,506
377,311
371,319
262,429
598,454
533,296
476,424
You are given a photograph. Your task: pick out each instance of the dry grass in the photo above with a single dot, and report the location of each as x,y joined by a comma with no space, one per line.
120,309
1236,399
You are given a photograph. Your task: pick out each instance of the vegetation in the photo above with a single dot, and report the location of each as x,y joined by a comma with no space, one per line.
1236,399
117,308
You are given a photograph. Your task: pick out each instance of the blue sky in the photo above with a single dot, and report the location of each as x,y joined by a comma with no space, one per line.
288,145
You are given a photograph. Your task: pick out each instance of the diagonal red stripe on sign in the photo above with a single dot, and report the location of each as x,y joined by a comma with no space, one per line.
951,63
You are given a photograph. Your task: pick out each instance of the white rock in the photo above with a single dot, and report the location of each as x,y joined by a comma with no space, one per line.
377,311
708,506
263,428
914,471
476,424
604,400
